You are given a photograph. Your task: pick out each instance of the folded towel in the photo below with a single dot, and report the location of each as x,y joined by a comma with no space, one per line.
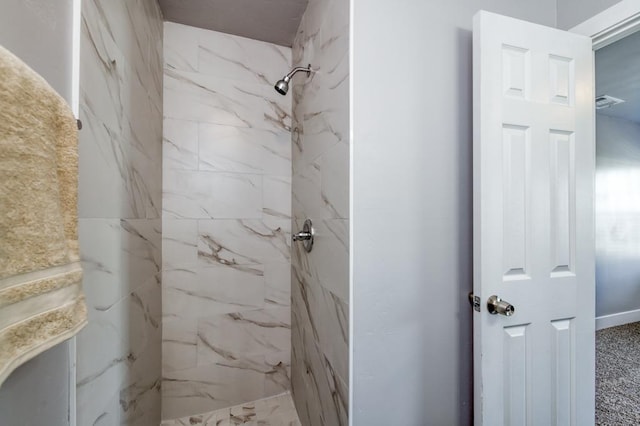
41,299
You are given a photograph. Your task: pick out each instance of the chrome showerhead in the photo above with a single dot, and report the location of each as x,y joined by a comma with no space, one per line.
282,86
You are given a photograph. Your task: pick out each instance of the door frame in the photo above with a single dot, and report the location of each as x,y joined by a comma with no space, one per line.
605,28
612,24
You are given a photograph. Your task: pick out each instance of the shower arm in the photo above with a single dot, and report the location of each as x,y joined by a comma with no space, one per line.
297,69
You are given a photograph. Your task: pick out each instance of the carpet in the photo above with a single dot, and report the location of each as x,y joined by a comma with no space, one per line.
618,375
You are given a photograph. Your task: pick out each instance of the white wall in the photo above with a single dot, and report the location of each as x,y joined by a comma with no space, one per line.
573,12
412,207
40,33
617,213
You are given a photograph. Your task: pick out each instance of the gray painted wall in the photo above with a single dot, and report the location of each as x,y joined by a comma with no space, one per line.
412,207
573,12
37,393
39,32
617,209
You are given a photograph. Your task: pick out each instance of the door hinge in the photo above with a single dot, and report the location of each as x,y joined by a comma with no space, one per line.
474,301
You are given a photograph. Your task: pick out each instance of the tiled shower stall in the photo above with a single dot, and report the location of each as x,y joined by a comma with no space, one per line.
226,222
194,173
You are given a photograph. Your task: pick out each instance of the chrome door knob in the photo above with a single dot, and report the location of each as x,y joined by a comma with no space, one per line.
496,306
306,235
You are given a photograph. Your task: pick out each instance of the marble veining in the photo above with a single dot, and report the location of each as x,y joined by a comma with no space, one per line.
226,282
275,411
211,195
122,114
224,55
243,150
210,99
120,227
320,190
238,242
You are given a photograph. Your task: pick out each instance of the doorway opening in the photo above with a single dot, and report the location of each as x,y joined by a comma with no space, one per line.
617,231
616,42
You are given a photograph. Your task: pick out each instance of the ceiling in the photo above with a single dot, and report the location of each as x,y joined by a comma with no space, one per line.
618,75
275,21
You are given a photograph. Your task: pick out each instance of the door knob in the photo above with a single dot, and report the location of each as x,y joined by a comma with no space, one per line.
306,235
495,305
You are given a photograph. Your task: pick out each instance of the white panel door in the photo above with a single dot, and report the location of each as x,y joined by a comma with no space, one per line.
534,165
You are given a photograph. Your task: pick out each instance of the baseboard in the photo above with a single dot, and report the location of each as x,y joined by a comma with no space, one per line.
621,318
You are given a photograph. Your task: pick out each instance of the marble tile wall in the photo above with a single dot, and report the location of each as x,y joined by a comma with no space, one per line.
320,184
120,197
273,411
226,220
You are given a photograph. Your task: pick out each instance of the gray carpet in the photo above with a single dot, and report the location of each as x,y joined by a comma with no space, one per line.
618,375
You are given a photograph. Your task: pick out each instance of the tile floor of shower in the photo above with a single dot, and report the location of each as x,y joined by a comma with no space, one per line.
275,411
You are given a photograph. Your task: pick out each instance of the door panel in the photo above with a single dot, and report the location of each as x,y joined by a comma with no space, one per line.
533,223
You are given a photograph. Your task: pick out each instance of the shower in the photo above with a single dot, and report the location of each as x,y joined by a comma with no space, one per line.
282,86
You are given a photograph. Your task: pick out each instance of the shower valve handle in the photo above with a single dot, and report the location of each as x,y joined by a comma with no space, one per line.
306,235
302,236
